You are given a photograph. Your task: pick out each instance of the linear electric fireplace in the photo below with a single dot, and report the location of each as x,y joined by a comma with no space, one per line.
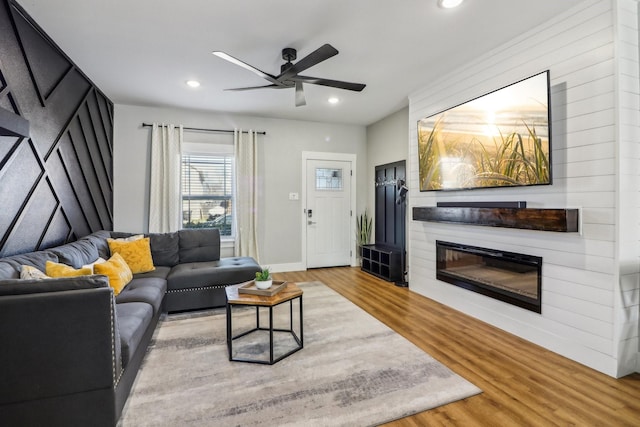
507,276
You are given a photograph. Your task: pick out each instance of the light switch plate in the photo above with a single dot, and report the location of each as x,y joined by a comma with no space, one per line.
294,196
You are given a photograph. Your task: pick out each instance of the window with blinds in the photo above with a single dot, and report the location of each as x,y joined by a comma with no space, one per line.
207,192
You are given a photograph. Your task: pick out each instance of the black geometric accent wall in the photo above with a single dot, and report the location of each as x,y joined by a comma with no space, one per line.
56,185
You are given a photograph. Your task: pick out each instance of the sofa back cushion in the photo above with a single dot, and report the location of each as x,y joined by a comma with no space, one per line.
199,245
165,249
78,253
10,267
99,240
8,270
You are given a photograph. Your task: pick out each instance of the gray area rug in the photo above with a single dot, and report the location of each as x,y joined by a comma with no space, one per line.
352,371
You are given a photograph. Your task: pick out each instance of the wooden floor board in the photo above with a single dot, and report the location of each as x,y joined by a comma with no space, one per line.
523,384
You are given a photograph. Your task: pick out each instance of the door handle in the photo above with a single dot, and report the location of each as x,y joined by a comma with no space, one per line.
311,222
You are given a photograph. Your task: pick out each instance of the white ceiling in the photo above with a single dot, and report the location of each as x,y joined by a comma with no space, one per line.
141,52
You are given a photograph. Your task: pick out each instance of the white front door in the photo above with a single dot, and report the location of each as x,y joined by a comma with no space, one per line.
328,213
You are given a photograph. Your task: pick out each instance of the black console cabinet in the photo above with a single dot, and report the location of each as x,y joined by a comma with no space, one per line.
382,261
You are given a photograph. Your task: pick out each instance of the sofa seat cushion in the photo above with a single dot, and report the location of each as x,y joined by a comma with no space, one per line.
133,320
226,271
144,289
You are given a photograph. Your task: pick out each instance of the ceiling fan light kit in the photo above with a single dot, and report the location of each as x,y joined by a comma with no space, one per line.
289,76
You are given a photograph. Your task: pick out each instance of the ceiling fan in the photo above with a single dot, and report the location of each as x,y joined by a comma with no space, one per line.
289,72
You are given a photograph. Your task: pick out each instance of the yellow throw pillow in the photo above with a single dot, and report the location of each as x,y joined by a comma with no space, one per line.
54,269
117,270
136,253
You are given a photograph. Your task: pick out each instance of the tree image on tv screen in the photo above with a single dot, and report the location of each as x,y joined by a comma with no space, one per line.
497,140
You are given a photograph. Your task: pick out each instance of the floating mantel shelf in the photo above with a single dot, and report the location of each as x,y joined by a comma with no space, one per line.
563,220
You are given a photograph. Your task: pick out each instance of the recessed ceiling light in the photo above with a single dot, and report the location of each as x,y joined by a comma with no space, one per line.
449,4
193,83
333,100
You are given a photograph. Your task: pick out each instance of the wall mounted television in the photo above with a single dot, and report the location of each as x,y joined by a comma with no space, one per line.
501,139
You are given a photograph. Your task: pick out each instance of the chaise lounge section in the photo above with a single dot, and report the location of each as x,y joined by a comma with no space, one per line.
72,348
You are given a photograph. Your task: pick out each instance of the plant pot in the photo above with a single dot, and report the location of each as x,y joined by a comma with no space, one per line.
263,284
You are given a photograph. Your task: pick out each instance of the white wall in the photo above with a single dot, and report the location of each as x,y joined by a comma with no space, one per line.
280,169
590,280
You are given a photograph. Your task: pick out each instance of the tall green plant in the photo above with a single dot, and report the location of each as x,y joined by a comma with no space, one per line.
363,229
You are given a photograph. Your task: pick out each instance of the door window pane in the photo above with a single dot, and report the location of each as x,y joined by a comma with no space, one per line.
328,179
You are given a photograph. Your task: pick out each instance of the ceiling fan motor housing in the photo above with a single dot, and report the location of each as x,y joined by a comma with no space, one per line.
289,54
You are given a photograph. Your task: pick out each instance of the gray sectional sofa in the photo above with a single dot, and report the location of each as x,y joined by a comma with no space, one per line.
71,350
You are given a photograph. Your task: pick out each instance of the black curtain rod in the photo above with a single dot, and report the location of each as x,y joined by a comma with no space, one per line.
208,130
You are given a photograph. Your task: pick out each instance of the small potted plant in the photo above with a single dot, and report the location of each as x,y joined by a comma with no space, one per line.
263,279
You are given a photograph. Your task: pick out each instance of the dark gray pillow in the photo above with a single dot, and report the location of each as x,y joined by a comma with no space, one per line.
8,270
99,240
34,286
199,245
76,254
36,259
165,249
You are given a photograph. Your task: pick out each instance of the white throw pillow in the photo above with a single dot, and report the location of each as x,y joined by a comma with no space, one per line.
29,272
100,260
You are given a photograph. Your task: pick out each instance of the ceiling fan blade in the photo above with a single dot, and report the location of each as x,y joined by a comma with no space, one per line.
246,66
300,101
258,87
357,87
324,52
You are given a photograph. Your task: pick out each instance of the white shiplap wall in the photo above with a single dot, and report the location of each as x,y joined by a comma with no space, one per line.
628,102
590,279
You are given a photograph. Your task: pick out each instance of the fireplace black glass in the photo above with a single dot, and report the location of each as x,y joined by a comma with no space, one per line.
510,277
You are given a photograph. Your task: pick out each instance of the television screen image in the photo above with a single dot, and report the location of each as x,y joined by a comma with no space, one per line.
500,139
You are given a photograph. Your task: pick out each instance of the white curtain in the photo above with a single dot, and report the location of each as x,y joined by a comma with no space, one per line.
246,155
165,205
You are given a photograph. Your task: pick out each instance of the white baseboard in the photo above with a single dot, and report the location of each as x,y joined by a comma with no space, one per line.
282,268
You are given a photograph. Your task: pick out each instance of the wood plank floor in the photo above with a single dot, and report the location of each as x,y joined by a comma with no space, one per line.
523,384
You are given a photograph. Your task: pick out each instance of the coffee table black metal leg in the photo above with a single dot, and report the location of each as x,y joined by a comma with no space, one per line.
271,335
301,331
229,337
291,315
